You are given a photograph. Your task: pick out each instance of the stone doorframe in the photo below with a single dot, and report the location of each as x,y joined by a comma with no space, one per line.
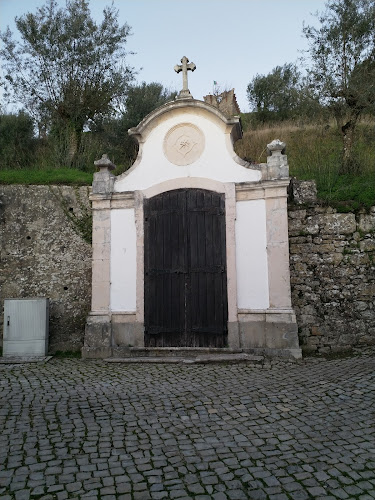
228,189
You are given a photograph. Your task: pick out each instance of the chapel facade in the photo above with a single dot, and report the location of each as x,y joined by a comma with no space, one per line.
190,245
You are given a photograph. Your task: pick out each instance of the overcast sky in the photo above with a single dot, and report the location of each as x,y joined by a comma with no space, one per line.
230,41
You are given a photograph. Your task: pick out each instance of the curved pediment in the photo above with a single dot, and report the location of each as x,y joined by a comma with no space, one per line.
140,130
186,138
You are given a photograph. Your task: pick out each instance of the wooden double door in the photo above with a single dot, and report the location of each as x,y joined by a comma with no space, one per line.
185,283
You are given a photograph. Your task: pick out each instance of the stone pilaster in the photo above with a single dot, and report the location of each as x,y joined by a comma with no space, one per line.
281,324
278,248
98,331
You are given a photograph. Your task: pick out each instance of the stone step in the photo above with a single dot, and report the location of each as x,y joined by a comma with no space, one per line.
228,357
183,352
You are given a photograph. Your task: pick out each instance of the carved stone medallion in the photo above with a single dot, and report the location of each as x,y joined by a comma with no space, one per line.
183,144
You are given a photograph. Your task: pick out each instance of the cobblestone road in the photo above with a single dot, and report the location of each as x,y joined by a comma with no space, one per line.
90,429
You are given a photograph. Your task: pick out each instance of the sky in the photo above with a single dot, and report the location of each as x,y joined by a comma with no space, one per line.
230,41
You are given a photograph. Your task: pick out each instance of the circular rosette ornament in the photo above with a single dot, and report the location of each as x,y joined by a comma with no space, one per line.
183,144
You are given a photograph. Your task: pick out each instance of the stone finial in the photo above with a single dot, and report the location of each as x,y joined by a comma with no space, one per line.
185,66
103,180
277,162
104,163
276,148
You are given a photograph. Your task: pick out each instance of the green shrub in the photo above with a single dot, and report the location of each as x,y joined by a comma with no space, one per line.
17,142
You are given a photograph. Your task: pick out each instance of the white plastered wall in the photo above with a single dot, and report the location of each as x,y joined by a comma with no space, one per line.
251,258
123,260
251,255
152,168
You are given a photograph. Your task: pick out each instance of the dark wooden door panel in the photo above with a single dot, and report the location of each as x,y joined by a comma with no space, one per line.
185,269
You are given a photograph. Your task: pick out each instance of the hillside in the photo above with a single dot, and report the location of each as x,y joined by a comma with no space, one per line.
314,152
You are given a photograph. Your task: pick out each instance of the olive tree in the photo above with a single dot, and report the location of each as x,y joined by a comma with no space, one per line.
143,98
17,141
67,69
140,100
342,72
276,95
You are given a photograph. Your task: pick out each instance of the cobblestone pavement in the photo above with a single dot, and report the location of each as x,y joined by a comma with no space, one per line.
91,429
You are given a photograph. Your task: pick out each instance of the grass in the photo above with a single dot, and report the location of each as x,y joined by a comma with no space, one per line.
314,152
350,193
66,176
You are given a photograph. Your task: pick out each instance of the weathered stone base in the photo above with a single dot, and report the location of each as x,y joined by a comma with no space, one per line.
272,333
111,335
96,352
126,332
98,337
269,333
234,341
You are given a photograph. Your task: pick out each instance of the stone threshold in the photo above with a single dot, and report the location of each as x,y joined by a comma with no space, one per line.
239,357
183,352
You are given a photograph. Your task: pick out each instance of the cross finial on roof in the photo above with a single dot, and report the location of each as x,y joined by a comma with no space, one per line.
184,67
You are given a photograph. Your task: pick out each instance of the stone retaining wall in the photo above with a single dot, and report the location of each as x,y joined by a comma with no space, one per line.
332,257
43,254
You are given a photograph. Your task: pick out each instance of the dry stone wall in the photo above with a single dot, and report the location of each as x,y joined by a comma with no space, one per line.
332,259
43,254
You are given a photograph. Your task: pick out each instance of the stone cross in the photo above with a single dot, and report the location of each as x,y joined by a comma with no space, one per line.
184,67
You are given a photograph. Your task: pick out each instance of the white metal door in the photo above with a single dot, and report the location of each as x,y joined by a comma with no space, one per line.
25,327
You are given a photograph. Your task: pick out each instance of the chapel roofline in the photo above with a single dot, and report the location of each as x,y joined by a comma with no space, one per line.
234,122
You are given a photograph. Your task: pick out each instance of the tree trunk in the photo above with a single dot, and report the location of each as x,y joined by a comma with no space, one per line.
75,137
349,164
347,161
337,112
